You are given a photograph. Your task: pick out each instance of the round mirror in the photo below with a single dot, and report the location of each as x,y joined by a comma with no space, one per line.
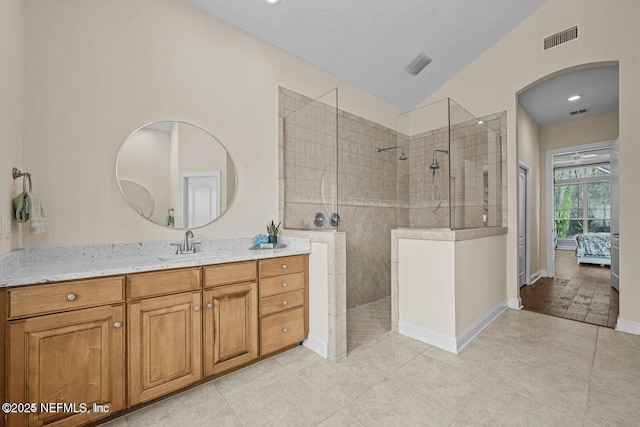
176,174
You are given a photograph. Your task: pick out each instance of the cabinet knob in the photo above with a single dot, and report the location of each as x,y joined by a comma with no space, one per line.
71,297
284,302
197,308
284,284
117,325
209,305
284,266
285,330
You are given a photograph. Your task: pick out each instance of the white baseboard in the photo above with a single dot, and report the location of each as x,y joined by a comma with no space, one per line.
316,345
478,326
450,343
428,336
515,303
628,326
537,275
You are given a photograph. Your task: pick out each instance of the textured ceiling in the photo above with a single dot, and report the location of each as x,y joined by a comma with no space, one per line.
369,42
547,102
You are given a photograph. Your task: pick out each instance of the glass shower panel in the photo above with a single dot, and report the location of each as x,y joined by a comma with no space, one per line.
425,130
476,172
309,169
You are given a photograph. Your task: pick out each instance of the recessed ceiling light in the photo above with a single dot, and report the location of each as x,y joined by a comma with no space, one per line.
574,97
272,2
480,122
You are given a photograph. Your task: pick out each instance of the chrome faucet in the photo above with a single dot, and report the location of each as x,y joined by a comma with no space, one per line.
187,246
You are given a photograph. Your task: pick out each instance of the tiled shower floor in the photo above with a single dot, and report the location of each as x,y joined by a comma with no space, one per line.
367,322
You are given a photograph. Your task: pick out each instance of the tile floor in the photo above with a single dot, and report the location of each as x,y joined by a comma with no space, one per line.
578,292
368,322
525,369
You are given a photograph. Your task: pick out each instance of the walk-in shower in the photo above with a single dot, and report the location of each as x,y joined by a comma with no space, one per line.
403,156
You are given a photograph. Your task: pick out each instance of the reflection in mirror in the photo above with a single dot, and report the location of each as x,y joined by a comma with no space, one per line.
176,174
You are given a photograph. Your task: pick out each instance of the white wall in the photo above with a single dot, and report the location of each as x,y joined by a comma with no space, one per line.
610,32
319,293
96,70
480,278
529,152
11,100
603,127
427,295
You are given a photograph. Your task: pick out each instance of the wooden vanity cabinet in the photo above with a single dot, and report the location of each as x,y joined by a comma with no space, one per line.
284,302
164,333
121,343
231,316
73,357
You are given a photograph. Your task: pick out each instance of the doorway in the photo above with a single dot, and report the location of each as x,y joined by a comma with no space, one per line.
200,198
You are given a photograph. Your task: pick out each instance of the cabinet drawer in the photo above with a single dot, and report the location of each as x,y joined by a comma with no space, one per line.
163,282
280,284
281,302
236,272
42,299
284,265
281,330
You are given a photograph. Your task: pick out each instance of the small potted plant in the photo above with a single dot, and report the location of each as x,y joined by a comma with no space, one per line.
273,229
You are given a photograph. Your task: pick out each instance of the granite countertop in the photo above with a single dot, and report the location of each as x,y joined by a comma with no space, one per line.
59,263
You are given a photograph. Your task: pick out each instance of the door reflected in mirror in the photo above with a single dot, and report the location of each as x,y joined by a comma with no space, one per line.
176,174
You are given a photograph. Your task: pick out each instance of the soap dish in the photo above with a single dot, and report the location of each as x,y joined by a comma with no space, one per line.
275,246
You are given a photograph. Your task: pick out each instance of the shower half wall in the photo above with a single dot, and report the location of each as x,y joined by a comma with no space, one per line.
369,190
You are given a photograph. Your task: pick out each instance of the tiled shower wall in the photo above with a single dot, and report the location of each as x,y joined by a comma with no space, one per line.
477,155
372,187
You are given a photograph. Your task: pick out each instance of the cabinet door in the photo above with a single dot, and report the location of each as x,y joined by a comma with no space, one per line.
231,327
76,358
164,345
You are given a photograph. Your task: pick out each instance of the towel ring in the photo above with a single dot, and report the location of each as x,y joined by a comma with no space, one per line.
25,175
24,182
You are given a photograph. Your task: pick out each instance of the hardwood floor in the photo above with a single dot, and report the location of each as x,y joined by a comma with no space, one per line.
578,292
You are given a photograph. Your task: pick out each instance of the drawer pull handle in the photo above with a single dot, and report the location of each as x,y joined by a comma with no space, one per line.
284,303
284,285
197,308
209,305
117,325
71,297
284,266
285,330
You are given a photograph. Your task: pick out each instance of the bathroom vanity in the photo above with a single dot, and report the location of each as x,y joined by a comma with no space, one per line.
118,341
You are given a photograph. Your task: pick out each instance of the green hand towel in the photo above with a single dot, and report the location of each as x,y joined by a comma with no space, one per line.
21,205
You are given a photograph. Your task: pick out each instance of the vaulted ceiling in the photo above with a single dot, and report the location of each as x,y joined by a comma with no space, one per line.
370,42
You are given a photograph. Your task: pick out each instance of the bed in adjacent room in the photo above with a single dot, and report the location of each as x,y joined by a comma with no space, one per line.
593,248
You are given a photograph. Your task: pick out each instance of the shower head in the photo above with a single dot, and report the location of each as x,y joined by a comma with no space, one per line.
434,164
402,156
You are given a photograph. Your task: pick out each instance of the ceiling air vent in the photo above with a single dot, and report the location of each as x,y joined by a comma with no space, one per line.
561,37
418,64
581,111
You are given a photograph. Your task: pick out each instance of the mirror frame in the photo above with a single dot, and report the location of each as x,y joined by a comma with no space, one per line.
126,199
